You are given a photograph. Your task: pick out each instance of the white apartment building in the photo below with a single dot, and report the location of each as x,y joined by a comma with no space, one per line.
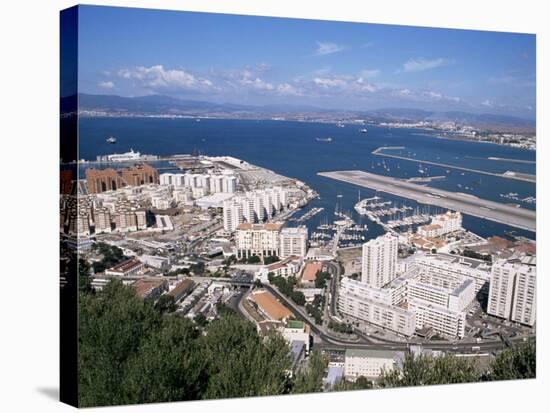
162,202
512,291
258,239
201,183
360,301
456,267
294,242
379,260
442,320
440,302
370,363
232,215
525,297
254,206
418,299
441,225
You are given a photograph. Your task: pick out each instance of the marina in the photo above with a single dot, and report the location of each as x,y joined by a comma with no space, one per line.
309,214
465,203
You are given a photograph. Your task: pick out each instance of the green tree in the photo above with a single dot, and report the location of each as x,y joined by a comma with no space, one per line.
254,259
361,383
166,304
321,279
271,259
518,362
112,324
311,379
168,365
200,320
241,363
84,278
424,370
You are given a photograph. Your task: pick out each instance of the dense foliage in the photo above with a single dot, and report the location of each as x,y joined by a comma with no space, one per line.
519,362
286,287
361,383
321,279
130,353
315,309
424,370
311,378
111,254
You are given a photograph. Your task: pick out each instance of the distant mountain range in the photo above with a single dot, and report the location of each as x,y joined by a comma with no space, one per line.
166,105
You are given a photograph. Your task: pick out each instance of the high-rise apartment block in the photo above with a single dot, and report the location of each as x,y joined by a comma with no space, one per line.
379,260
512,291
294,242
253,207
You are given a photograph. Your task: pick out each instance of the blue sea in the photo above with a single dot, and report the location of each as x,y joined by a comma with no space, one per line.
291,149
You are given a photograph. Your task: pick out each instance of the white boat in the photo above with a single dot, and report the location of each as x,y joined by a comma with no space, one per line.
111,139
364,130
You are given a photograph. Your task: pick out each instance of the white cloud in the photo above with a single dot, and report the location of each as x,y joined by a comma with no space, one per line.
157,77
342,83
433,95
106,85
329,82
487,103
370,73
326,48
248,78
287,89
420,64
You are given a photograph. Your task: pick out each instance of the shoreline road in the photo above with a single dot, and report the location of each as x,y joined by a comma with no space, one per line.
465,203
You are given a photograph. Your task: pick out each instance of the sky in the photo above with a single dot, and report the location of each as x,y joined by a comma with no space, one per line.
331,65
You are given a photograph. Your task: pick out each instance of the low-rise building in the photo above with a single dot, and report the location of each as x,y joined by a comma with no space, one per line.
370,363
309,273
181,289
130,267
288,267
296,331
441,225
269,306
150,288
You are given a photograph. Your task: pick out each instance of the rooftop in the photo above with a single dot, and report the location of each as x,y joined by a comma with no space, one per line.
144,285
260,227
181,287
270,305
126,266
382,354
310,271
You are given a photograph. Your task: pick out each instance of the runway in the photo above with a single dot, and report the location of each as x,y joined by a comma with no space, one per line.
508,174
465,203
